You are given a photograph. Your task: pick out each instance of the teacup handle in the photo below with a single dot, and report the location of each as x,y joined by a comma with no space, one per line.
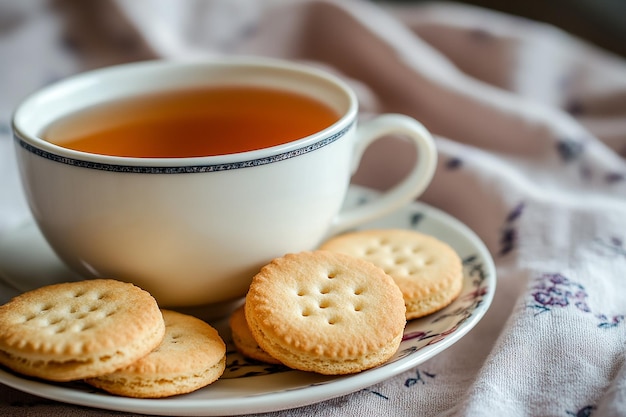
406,190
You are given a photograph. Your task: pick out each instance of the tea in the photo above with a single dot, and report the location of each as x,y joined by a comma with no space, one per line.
191,123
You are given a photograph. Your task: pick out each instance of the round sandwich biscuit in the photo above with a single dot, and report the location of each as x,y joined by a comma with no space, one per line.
244,341
77,330
325,312
428,271
191,356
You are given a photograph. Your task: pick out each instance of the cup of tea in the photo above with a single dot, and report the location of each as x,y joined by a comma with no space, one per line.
185,178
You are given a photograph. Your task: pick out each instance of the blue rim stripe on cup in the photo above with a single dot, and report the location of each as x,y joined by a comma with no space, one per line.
183,169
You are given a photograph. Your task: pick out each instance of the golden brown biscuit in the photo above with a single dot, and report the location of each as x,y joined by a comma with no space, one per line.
191,356
325,312
244,341
78,330
428,271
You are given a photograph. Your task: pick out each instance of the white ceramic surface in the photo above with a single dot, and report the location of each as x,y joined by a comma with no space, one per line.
250,387
193,231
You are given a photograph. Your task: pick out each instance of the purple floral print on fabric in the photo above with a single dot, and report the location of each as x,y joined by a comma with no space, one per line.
575,108
611,247
481,35
554,290
508,233
376,393
614,177
421,377
583,412
569,149
453,163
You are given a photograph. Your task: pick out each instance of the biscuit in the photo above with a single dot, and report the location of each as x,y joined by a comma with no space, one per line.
77,330
325,312
244,341
191,356
428,271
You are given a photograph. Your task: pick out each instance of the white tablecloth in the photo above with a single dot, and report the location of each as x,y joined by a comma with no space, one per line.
530,125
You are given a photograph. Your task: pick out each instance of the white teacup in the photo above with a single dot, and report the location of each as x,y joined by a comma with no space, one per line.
194,231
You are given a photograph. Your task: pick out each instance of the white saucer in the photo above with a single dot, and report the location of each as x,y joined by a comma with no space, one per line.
250,387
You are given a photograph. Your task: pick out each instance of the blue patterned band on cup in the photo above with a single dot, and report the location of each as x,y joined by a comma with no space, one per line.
184,169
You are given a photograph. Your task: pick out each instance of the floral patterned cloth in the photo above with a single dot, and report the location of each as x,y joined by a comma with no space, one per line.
530,125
